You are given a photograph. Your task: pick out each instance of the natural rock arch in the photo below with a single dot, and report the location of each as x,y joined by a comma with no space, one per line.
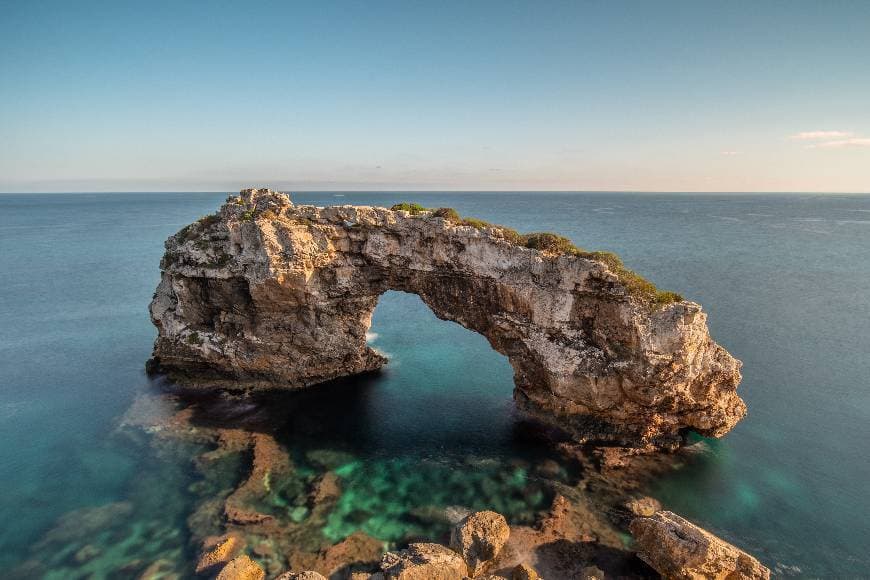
266,294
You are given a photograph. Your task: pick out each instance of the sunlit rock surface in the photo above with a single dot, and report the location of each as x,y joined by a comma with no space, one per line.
424,561
241,568
479,538
677,548
267,294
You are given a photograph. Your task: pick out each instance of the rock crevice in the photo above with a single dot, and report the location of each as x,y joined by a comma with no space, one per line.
268,294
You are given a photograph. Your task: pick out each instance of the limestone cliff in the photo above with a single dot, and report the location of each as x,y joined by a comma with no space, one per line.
268,294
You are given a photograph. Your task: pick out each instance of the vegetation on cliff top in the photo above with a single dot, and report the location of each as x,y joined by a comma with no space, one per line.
411,208
550,243
193,231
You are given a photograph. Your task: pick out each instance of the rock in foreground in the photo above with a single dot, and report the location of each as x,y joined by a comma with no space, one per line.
306,575
524,572
218,552
242,568
267,294
479,538
677,548
424,562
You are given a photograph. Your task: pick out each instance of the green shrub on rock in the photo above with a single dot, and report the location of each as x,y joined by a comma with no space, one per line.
667,297
634,283
448,213
476,223
549,242
552,244
411,208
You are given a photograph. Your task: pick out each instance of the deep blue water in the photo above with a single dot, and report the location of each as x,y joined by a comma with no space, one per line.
785,280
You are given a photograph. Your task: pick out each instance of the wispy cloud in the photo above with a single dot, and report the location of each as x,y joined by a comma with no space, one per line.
831,139
818,135
730,153
840,143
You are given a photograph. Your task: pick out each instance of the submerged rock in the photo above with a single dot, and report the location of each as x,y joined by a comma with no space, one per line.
269,461
85,553
548,468
677,548
424,562
327,488
160,570
479,538
266,294
86,521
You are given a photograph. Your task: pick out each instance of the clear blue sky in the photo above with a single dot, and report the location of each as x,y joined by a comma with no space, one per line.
597,95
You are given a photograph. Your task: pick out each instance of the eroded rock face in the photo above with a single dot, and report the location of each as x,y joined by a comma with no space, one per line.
268,294
677,548
479,538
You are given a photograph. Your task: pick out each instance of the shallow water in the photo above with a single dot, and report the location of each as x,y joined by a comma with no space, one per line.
784,279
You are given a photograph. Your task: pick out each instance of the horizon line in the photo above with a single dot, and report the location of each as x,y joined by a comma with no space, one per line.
424,191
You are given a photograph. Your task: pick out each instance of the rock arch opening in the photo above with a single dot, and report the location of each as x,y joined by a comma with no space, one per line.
443,386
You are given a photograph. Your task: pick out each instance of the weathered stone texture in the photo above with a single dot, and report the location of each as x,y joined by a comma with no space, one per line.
678,549
268,294
241,568
479,538
424,562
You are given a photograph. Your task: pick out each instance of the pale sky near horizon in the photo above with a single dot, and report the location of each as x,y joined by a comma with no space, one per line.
473,95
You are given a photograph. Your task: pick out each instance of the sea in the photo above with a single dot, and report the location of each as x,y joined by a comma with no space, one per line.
784,278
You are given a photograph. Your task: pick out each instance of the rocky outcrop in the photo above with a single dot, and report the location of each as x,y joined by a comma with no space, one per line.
479,538
268,294
424,562
677,548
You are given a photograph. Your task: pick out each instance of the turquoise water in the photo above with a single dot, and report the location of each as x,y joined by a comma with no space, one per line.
784,279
